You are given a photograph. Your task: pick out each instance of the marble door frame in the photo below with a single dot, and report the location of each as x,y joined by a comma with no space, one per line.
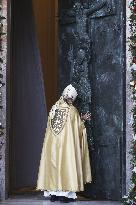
5,111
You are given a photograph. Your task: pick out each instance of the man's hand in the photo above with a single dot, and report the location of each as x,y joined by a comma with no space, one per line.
86,116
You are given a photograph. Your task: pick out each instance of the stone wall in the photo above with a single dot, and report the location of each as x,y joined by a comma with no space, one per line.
3,71
129,103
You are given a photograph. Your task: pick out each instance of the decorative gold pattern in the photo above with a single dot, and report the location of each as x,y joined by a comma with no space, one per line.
58,122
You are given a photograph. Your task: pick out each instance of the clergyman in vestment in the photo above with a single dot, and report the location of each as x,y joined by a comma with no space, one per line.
65,164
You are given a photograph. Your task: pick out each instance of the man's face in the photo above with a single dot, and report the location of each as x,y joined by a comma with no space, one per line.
69,101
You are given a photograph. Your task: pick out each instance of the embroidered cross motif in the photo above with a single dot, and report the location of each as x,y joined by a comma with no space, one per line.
58,122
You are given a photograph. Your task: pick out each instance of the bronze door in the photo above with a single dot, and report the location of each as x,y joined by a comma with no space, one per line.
91,55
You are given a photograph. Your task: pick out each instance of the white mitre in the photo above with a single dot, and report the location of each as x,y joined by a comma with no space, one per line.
69,92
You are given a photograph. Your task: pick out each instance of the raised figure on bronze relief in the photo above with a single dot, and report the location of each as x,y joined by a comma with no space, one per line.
79,61
81,15
80,56
79,75
80,48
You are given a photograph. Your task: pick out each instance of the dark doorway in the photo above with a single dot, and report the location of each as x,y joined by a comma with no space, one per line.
28,103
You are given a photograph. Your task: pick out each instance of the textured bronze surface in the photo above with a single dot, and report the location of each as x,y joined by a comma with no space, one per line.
91,56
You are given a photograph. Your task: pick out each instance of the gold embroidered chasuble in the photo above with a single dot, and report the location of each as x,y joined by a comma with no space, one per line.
65,164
